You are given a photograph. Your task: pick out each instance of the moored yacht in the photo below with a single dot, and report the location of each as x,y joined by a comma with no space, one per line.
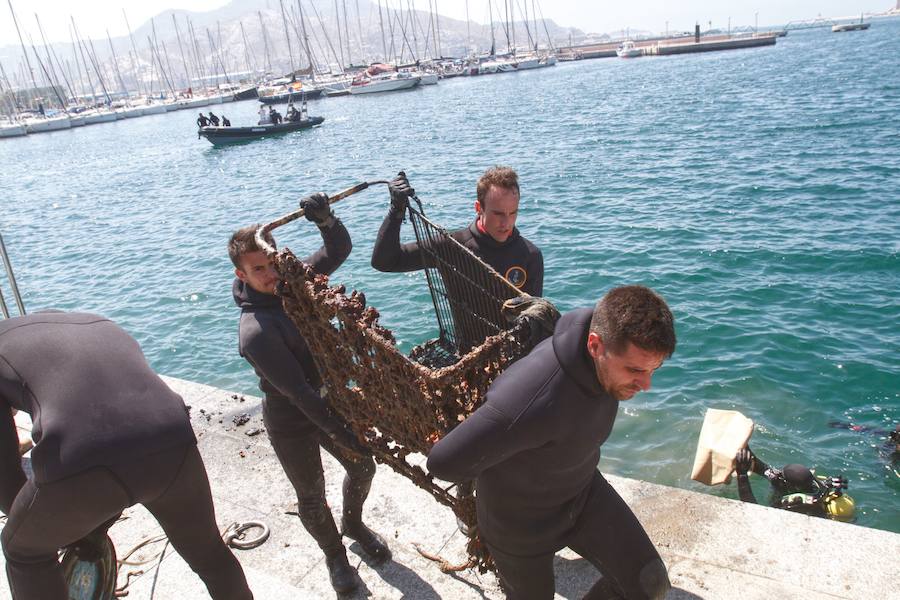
629,50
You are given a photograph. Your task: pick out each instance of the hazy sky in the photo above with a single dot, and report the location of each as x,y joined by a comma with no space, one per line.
94,17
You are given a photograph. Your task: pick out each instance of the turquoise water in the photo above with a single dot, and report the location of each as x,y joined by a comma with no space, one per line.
757,190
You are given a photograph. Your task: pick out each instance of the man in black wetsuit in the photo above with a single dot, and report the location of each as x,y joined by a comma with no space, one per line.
298,418
225,121
492,236
534,445
202,121
108,434
213,119
275,116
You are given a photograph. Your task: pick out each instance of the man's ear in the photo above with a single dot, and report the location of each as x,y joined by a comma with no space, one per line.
478,208
595,345
240,275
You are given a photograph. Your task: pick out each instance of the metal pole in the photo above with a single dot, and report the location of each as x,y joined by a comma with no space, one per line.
12,281
262,231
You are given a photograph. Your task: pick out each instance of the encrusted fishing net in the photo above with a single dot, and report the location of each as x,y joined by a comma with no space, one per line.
401,406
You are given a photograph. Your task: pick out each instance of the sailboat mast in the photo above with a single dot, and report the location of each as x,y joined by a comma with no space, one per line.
411,8
437,26
337,22
383,38
362,49
491,17
312,66
54,77
162,68
347,34
512,23
134,56
287,36
77,65
265,38
220,51
251,66
116,65
468,30
24,51
87,72
184,62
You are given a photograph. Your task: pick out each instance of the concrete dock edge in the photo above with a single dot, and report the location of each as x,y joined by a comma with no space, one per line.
715,548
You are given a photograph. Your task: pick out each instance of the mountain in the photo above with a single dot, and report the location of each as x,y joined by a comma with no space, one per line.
208,44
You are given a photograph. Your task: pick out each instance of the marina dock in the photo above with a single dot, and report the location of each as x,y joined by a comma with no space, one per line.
715,548
668,46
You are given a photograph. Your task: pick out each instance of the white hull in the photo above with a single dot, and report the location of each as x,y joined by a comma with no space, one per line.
153,109
429,79
194,103
132,112
384,85
76,121
52,124
629,50
529,63
12,130
99,117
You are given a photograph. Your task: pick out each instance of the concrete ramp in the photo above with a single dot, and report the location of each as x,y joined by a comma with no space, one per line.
715,548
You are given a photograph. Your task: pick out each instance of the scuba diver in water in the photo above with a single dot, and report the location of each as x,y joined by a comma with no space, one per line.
891,438
796,488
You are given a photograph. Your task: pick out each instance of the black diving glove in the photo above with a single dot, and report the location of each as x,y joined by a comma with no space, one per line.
401,192
538,313
317,209
743,461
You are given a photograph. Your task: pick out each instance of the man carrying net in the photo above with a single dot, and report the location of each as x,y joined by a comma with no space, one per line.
534,444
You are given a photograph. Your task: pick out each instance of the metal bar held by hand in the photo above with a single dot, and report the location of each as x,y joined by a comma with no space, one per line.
293,216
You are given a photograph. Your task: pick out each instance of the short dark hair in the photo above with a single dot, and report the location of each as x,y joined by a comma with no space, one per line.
503,177
636,314
243,241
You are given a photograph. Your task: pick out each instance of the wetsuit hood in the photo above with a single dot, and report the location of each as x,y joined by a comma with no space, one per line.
487,241
246,297
570,347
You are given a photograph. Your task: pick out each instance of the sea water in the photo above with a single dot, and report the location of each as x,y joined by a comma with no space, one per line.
757,190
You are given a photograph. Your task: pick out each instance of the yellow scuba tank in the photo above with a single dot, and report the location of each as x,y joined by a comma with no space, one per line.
839,507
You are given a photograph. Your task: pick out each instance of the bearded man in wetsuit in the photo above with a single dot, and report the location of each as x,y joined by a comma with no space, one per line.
534,445
108,433
298,419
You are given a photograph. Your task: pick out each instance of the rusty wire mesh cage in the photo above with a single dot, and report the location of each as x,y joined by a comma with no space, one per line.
400,406
467,293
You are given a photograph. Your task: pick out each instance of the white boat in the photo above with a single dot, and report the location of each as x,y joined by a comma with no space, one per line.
533,60
384,82
76,120
850,27
629,50
428,78
12,130
98,116
42,124
154,109
130,112
497,65
195,102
